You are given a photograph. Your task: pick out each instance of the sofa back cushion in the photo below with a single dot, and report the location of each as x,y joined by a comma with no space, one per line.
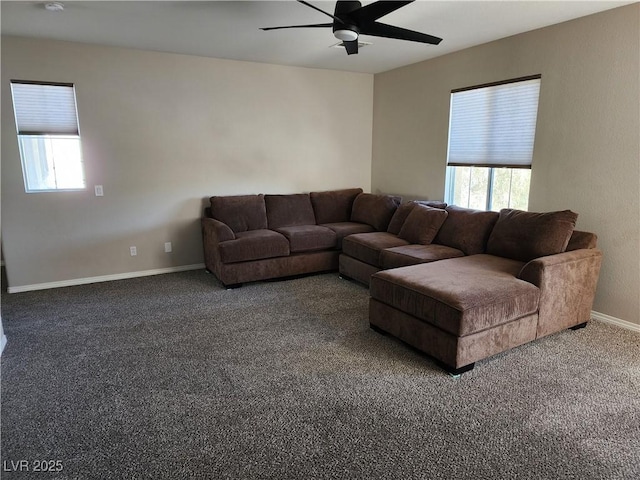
374,210
432,203
404,210
422,224
524,235
240,212
289,210
333,206
580,240
467,229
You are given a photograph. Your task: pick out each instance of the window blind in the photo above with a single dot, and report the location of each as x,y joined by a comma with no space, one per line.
494,126
44,109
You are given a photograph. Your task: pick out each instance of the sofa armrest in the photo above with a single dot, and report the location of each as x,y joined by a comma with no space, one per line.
214,232
217,230
567,283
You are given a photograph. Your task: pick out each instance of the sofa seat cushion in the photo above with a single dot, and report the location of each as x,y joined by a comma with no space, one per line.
366,247
253,245
344,229
460,295
413,254
305,238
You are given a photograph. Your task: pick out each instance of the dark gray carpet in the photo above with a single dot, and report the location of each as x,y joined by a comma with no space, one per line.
174,377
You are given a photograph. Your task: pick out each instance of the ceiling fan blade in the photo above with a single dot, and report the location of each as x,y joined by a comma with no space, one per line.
378,29
351,47
299,26
374,11
321,11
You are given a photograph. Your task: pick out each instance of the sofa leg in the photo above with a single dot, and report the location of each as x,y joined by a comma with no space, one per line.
579,326
377,329
342,276
233,286
454,372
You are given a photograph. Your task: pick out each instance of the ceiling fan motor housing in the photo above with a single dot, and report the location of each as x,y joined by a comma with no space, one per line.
346,31
351,19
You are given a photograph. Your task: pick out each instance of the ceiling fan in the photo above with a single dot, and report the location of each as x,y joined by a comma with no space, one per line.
351,19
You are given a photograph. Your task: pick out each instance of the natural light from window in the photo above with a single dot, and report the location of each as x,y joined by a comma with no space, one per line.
485,188
52,162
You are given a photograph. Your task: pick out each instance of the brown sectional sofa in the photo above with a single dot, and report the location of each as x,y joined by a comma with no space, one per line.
456,283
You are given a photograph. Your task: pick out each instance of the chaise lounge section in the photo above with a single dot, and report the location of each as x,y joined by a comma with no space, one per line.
536,278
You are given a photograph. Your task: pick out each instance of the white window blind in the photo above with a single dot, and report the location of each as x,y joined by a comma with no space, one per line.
494,125
44,109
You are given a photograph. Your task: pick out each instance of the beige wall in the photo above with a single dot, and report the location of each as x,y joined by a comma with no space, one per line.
586,154
162,132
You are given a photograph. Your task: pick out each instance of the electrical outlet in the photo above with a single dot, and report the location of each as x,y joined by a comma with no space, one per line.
167,247
134,251
99,191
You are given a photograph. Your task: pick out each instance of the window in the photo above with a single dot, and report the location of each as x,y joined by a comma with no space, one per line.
48,136
491,135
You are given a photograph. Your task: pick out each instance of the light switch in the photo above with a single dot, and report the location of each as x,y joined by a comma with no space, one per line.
99,191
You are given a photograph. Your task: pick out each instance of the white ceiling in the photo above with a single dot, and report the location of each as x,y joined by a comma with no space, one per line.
230,29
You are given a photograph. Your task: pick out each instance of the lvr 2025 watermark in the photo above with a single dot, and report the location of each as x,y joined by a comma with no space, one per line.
52,466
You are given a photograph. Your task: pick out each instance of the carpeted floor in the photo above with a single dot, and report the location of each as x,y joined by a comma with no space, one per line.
174,377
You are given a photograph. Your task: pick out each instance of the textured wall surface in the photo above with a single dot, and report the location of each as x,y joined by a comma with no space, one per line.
587,148
162,132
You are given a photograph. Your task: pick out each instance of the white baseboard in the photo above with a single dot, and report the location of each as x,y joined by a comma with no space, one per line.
615,321
103,278
3,342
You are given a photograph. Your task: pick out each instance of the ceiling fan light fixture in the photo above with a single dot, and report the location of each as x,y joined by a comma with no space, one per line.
54,6
346,35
